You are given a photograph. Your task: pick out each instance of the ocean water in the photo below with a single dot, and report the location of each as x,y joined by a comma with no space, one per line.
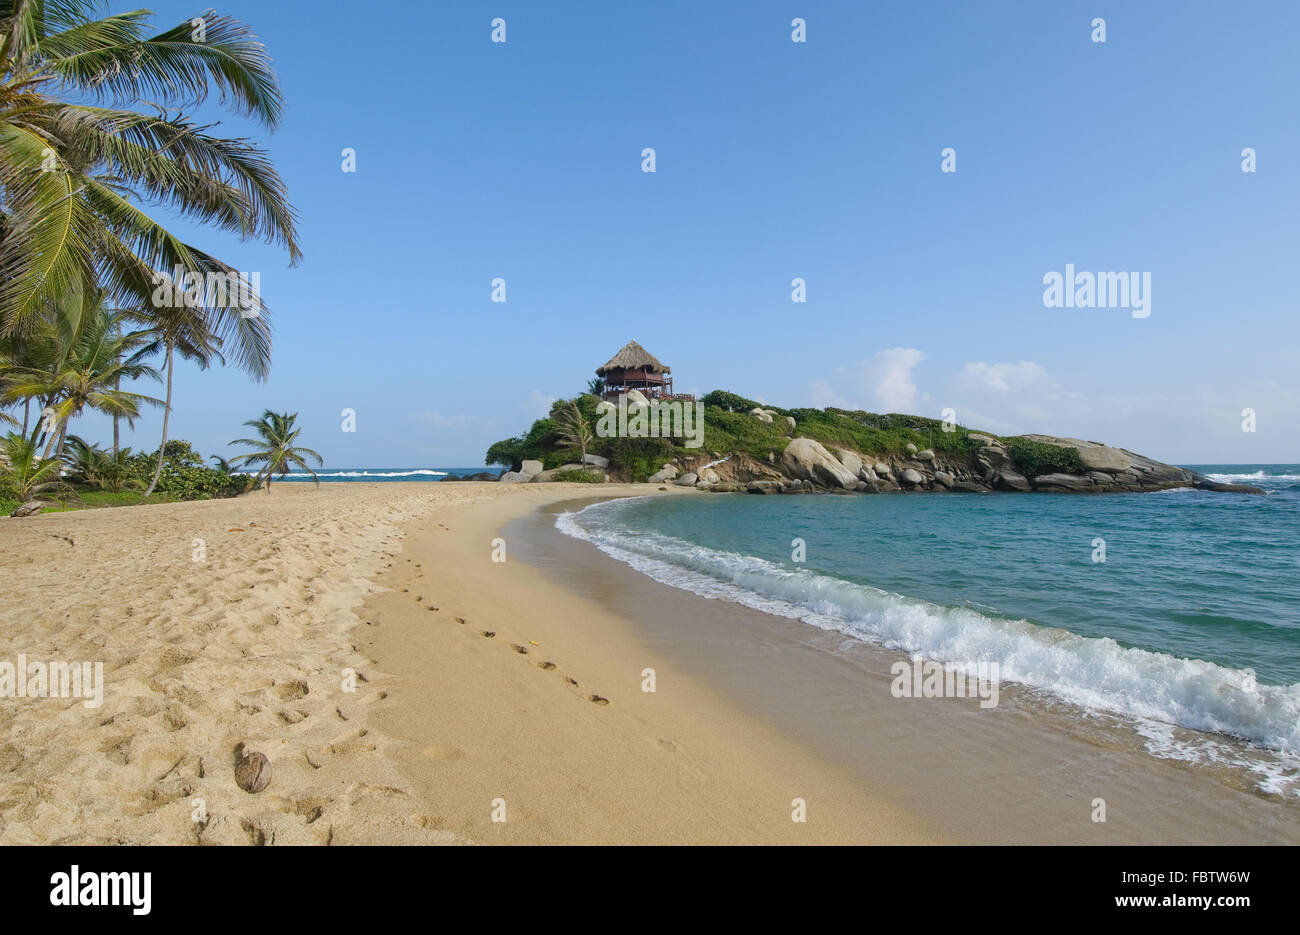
1191,621
381,475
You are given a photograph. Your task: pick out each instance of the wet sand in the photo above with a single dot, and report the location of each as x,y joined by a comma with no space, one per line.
1026,771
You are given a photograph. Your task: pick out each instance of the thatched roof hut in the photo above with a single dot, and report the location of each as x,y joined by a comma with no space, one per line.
633,357
635,368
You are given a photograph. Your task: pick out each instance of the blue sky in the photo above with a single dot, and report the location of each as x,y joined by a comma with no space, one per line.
775,160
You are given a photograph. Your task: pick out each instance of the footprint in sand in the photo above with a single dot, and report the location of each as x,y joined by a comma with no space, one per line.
571,681
489,633
523,651
443,753
545,665
597,699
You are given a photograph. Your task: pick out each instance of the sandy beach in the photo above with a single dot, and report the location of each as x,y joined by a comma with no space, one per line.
500,696
544,719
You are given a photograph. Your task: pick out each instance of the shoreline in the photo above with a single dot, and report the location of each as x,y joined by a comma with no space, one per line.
679,765
252,645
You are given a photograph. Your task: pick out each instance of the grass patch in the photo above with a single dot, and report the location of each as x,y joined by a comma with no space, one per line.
579,477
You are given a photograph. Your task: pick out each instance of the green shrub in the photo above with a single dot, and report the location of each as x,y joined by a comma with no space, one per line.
1035,458
728,401
579,477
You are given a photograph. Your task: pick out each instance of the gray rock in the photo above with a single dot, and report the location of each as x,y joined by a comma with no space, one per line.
687,480
30,508
912,478
1010,480
927,455
597,460
515,477
808,460
881,468
942,477
789,420
966,486
1066,482
911,449
1094,456
1206,484
849,459
763,486
530,468
666,473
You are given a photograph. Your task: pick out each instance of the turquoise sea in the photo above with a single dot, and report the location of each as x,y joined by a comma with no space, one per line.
1178,609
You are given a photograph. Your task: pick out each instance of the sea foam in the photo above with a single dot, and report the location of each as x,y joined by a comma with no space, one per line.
1094,673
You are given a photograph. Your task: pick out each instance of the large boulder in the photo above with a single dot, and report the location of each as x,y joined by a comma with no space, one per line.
943,478
1009,480
1073,483
515,477
597,460
849,459
687,480
1094,456
789,421
808,460
530,468
927,455
912,478
30,508
666,473
881,469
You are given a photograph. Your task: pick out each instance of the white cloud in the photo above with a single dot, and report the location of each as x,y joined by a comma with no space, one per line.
883,383
1003,378
538,405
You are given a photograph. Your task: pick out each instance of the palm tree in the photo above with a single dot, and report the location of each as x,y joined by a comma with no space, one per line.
274,448
221,464
71,370
73,173
26,472
573,430
84,459
186,330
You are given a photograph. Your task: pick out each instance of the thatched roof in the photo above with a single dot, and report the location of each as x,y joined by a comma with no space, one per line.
633,357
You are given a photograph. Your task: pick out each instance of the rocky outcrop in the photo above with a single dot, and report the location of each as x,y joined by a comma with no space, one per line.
480,476
807,460
666,473
850,460
1094,456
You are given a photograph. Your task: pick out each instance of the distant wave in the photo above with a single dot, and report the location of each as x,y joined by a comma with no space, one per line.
1257,476
1094,673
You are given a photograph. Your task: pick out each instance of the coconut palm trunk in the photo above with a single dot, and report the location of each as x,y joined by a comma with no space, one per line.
167,411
